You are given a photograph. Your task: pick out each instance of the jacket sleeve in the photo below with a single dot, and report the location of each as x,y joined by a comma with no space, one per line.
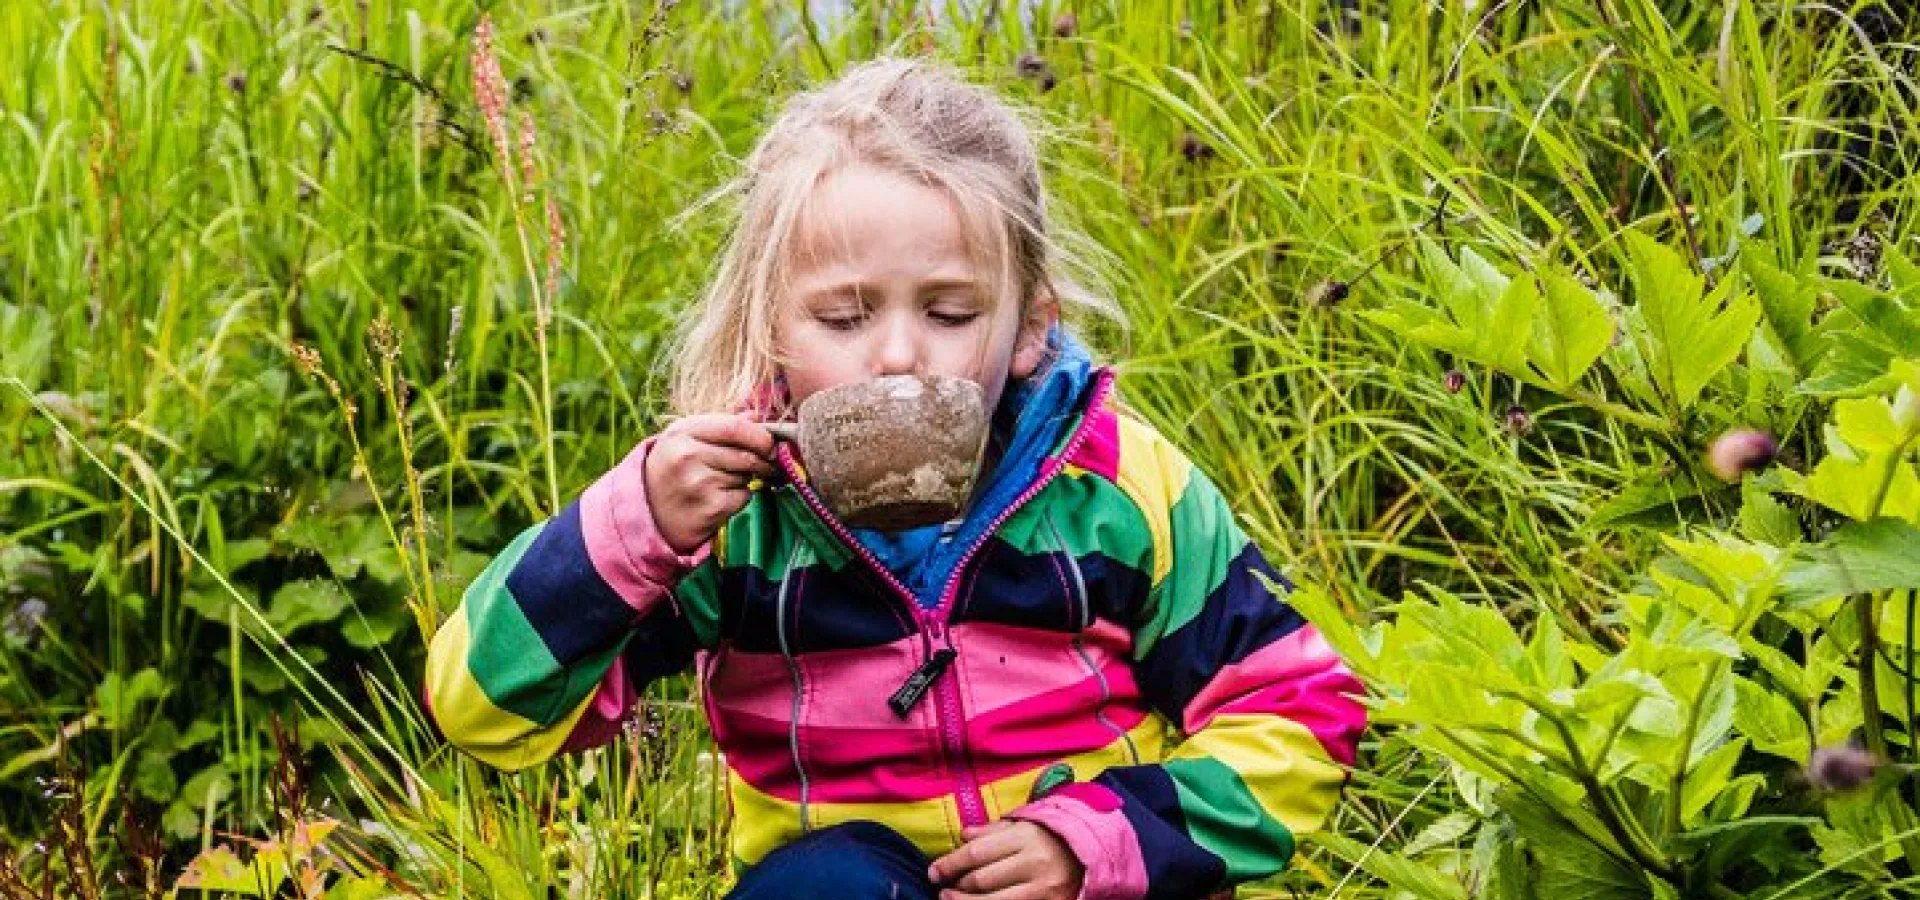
551,644
1267,712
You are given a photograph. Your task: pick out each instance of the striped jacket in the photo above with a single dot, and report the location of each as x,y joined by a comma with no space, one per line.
1109,659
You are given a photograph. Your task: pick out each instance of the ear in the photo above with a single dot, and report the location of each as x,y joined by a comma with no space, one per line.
1030,345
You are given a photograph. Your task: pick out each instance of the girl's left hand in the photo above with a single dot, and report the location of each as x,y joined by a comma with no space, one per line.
1008,860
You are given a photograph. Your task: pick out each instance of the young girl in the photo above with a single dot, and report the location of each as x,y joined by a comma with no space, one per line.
1088,685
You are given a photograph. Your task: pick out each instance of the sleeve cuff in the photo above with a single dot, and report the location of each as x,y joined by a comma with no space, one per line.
623,538
1089,819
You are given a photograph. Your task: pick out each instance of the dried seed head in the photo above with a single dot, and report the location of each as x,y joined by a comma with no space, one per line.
1328,293
683,82
1518,420
1195,149
1066,25
307,358
1030,65
237,82
1740,451
1841,768
1456,380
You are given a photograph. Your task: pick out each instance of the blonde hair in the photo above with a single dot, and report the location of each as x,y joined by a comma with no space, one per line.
912,117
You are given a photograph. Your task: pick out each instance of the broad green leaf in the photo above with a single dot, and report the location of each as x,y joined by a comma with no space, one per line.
1766,520
1399,872
1655,500
298,604
1860,557
1567,865
1771,721
1861,487
1787,301
1570,331
1707,777
1685,337
1862,341
119,698
219,869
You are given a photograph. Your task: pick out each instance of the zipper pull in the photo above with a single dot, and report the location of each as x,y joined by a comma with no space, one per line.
916,685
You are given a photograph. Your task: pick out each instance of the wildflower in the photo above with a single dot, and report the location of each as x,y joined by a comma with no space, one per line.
1841,768
1740,451
1066,24
1328,293
24,623
1518,420
682,82
1456,380
1195,149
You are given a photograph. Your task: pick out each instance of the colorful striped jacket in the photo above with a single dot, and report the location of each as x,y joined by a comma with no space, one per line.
1109,659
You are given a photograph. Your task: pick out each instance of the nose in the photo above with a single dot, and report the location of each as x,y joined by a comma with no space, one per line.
899,350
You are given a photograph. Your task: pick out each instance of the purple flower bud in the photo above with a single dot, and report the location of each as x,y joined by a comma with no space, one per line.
1066,24
1841,768
1456,380
23,624
1740,451
1030,65
1518,420
237,82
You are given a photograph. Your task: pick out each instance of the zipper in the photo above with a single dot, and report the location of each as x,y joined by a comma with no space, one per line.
948,709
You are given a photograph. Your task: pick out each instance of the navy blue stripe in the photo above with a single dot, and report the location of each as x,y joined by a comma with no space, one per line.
563,596
663,644
1009,587
1241,616
1177,867
826,610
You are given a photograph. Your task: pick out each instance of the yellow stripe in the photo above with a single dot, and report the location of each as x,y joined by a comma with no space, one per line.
1153,475
1149,738
1282,763
471,721
763,823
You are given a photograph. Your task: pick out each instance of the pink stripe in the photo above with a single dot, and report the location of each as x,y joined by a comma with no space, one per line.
844,765
1298,677
1099,835
1038,730
611,704
1099,451
845,688
1006,664
622,540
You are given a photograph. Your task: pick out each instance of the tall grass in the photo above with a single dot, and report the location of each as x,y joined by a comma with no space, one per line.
288,360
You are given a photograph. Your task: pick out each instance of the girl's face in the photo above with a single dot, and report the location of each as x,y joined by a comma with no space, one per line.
882,284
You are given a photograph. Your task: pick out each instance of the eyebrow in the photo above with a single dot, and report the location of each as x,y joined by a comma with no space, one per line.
856,288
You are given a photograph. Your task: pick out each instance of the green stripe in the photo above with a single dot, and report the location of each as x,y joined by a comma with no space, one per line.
1093,516
1223,817
509,660
762,535
1205,541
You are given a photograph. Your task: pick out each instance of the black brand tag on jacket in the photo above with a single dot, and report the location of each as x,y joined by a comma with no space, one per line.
916,685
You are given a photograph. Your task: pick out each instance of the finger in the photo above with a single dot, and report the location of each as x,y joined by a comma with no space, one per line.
1016,892
744,431
735,461
965,858
1002,873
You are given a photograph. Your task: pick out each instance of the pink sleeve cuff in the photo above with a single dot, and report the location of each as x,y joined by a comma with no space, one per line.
626,547
1088,818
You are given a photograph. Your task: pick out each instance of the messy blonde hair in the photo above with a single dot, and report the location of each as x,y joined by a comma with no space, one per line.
912,117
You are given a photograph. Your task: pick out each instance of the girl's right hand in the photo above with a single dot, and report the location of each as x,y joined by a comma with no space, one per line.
697,475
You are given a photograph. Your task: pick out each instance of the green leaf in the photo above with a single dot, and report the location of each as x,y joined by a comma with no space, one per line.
1655,500
1397,871
369,630
1570,331
1708,776
26,343
1771,721
1567,865
1787,302
1863,339
301,603
1684,337
1766,520
1860,557
119,698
